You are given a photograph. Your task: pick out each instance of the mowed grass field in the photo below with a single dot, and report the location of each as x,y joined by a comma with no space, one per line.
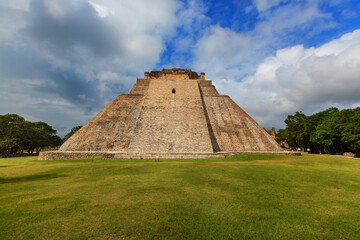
245,197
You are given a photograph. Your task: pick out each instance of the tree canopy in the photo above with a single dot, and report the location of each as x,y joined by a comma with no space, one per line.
331,131
72,131
18,135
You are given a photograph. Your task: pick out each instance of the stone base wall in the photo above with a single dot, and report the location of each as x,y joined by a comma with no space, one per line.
290,153
71,155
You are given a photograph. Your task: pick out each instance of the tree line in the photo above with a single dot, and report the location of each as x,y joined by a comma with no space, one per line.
332,131
20,136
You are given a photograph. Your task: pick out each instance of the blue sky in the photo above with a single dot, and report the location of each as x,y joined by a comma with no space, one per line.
62,61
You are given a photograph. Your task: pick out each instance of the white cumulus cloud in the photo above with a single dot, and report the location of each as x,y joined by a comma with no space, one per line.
302,79
81,53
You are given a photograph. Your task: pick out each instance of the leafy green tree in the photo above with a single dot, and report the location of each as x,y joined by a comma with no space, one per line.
350,134
330,131
294,125
44,136
72,131
318,136
10,132
19,135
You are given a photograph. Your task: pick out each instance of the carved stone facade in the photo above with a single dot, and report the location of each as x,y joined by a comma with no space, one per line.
169,112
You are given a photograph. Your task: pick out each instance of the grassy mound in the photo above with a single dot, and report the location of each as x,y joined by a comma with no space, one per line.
245,197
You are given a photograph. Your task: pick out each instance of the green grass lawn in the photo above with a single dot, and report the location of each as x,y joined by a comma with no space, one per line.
245,197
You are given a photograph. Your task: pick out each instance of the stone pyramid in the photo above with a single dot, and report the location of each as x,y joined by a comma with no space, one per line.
169,113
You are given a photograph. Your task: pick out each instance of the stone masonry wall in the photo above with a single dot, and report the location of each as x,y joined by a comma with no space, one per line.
171,122
170,111
112,128
235,131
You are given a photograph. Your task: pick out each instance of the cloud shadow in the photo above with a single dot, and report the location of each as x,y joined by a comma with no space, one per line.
29,178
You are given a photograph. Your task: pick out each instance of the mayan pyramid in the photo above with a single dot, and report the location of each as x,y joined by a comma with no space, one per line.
173,112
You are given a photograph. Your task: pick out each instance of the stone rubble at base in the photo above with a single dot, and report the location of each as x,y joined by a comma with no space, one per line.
173,113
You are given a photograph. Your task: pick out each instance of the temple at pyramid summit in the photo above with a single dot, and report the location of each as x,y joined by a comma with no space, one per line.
173,113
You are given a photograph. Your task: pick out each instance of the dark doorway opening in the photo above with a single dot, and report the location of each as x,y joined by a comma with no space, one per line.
173,91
